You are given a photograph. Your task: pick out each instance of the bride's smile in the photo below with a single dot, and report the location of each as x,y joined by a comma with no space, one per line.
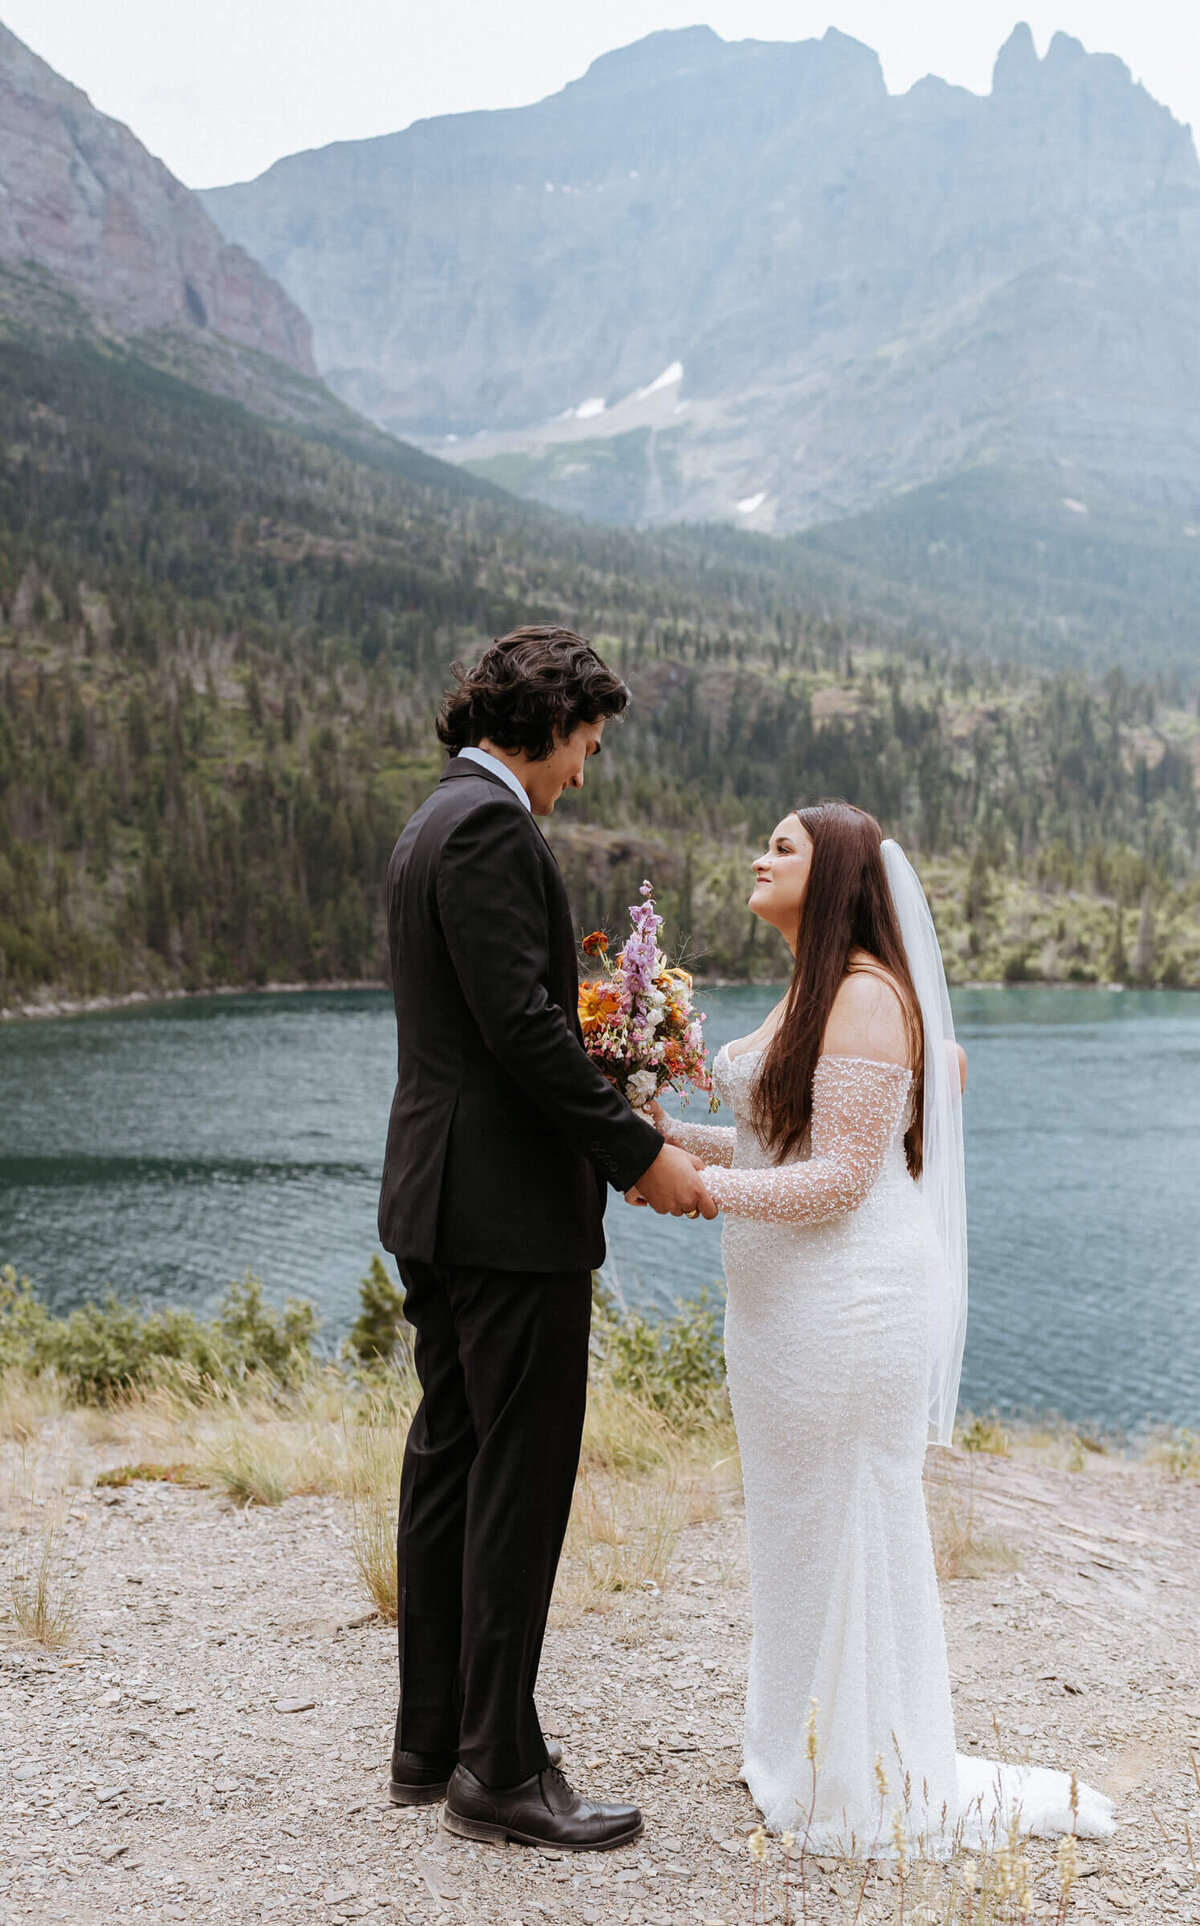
781,878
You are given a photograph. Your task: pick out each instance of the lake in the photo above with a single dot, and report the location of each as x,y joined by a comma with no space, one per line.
166,1149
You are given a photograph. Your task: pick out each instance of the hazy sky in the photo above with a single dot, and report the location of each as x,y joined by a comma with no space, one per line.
221,88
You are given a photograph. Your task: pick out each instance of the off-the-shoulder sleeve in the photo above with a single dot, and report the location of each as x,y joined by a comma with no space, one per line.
713,1142
857,1106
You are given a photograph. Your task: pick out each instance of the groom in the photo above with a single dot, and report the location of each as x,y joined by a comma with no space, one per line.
502,1136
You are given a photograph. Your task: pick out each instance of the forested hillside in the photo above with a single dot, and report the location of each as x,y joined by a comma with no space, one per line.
222,645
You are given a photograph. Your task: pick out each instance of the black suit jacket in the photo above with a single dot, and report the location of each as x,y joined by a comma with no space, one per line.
502,1131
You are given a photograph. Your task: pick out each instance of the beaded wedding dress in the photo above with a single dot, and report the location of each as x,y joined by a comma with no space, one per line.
827,1349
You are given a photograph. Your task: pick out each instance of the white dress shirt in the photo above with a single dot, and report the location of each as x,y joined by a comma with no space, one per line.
497,768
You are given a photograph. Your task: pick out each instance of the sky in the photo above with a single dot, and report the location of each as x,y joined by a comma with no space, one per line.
221,88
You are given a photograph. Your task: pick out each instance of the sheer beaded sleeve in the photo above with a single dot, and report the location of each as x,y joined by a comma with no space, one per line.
858,1105
713,1142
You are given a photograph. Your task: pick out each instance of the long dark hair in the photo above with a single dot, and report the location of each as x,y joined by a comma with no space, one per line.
527,691
847,906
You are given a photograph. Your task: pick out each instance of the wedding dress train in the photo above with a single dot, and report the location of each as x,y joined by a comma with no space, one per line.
827,1261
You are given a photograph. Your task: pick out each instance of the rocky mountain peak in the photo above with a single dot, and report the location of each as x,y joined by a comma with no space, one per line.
659,56
742,280
1016,63
81,197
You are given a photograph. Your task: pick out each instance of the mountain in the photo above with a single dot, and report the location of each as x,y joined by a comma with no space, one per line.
81,198
97,234
742,281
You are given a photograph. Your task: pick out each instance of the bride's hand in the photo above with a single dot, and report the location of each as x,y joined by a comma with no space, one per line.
657,1115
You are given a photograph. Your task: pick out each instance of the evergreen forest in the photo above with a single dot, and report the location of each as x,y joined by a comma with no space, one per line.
222,643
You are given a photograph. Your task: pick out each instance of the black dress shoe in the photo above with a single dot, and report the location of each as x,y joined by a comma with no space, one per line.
421,1778
543,1811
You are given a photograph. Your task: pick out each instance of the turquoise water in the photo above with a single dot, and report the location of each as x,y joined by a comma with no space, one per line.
166,1149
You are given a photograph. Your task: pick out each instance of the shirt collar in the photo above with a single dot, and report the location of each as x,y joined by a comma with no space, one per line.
497,768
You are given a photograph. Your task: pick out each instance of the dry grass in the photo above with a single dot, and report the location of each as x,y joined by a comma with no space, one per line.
643,1476
994,1887
962,1549
26,1403
375,1435
264,1464
1054,1444
1176,1452
46,1567
258,1443
621,1538
623,1434
641,1479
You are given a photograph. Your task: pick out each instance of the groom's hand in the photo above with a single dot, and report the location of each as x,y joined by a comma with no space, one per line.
673,1187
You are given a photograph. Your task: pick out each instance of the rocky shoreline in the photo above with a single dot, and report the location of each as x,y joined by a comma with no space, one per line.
213,1745
65,1006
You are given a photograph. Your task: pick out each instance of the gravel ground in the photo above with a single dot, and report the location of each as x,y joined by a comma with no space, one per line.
214,1745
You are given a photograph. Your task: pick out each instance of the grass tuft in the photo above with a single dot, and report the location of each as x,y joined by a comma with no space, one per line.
984,1434
961,1548
375,1453
260,1458
45,1580
1177,1452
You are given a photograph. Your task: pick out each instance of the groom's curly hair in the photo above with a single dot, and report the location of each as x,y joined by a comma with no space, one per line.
529,691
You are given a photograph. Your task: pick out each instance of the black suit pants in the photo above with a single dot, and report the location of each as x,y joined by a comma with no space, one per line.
489,1469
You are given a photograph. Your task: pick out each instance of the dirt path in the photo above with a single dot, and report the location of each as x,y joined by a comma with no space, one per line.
154,1770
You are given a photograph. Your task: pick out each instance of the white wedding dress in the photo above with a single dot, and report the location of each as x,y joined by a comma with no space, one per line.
827,1348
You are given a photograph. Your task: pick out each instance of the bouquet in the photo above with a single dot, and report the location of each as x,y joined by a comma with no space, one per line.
637,1019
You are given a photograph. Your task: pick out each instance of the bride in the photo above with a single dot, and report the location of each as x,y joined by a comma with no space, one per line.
844,1247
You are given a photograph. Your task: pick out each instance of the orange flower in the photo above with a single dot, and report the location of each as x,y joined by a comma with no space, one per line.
598,1004
595,944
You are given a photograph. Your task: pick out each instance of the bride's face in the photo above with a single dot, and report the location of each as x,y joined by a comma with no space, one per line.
781,878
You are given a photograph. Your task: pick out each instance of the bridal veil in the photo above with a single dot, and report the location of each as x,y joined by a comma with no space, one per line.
943,1173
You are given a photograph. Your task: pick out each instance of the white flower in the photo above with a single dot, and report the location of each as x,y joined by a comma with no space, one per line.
641,1087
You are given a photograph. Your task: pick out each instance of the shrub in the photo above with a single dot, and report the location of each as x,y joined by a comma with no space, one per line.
676,1364
99,1349
379,1334
256,1336
985,1434
1177,1452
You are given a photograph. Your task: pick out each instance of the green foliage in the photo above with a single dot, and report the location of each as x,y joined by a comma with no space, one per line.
100,1349
253,1335
1178,1452
676,1364
985,1435
379,1333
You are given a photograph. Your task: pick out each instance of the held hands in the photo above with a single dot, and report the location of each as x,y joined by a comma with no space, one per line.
672,1186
